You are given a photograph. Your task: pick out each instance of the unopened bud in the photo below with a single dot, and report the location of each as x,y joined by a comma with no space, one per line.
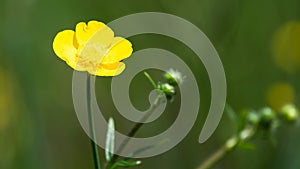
174,77
253,117
290,113
169,90
267,117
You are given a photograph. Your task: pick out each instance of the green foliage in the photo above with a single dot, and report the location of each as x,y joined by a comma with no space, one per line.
110,140
125,164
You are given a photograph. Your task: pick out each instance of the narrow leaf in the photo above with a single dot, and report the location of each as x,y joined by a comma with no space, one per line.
232,115
110,139
126,164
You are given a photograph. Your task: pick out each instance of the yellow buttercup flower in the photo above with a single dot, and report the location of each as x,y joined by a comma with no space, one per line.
285,47
93,48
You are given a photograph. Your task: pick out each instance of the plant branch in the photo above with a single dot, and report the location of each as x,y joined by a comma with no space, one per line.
228,147
133,132
150,80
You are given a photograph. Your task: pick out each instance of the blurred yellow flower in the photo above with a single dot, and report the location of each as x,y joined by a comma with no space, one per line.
285,47
6,99
279,95
93,48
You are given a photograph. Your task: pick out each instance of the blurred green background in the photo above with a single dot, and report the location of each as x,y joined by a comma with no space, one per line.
258,43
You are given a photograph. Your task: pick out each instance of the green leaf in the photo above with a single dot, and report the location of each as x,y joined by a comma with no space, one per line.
126,164
232,115
242,119
110,139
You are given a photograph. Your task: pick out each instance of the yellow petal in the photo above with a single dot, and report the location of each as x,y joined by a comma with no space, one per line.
93,51
120,49
85,32
109,69
63,46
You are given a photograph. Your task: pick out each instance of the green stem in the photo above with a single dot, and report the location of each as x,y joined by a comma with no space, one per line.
228,147
111,164
218,155
132,133
91,124
150,80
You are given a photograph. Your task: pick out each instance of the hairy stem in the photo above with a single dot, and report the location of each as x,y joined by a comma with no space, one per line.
132,133
150,80
228,147
91,124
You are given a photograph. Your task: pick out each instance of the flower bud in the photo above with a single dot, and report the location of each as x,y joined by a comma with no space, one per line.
174,77
268,116
253,118
290,113
168,89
